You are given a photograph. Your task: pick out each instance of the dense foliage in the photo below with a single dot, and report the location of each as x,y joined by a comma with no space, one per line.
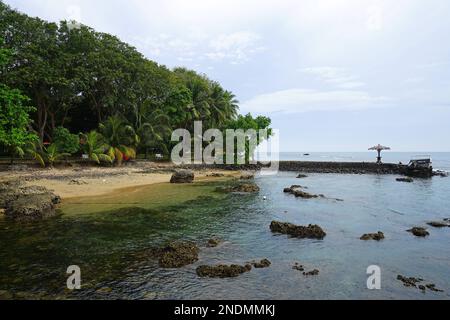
14,115
83,80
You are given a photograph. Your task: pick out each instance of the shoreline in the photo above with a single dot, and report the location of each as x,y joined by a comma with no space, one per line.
79,182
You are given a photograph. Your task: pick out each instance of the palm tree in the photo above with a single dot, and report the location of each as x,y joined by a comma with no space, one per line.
52,154
96,147
153,132
120,138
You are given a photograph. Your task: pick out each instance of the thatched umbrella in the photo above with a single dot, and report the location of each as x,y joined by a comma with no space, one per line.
379,148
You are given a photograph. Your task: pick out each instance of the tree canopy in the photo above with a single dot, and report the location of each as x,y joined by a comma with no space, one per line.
78,78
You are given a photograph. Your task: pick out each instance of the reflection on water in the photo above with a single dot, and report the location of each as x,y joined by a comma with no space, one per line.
109,238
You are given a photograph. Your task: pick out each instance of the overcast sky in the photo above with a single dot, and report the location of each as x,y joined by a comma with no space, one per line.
334,75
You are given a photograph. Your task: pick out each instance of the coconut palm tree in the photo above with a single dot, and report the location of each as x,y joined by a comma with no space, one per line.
120,138
154,130
51,154
96,147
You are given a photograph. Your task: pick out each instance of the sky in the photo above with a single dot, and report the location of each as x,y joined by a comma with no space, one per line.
333,75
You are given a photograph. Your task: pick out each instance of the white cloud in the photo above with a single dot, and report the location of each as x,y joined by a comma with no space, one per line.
337,77
233,48
307,100
237,47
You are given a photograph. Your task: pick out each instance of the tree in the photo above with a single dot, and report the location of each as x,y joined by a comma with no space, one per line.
248,122
14,115
65,141
120,138
52,154
95,147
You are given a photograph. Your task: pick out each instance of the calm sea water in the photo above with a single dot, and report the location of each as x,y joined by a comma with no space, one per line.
108,238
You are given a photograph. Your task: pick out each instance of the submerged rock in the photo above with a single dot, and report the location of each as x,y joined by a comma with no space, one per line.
416,283
177,254
314,272
419,232
302,176
261,264
438,224
298,267
222,271
373,236
407,179
309,232
241,188
247,177
214,242
297,192
183,176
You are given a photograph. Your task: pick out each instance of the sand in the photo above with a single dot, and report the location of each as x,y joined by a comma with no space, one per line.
95,181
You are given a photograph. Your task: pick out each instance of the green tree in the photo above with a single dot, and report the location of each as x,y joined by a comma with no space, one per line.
66,141
95,147
14,115
120,139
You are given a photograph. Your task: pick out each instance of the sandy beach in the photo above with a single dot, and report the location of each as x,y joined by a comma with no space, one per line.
95,181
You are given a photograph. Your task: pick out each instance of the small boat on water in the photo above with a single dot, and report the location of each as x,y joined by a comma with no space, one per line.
306,154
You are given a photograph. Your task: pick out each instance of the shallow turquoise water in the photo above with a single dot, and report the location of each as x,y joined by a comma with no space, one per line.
110,247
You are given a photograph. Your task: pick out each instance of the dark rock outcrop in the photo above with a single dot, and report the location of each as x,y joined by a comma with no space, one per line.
407,179
417,283
177,254
213,242
438,224
265,263
298,267
241,188
247,177
373,236
302,176
31,207
419,232
314,272
297,191
24,204
183,176
222,271
309,232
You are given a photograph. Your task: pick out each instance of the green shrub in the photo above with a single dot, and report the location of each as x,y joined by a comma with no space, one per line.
65,141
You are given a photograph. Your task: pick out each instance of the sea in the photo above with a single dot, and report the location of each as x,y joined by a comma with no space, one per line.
110,238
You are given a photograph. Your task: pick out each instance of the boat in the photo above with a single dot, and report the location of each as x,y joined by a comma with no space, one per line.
420,166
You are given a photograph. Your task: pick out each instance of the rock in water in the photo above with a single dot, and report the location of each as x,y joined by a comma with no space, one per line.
261,264
222,271
214,242
241,188
419,232
309,232
31,207
247,177
315,272
302,176
177,254
373,236
25,204
407,179
182,176
297,192
438,224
